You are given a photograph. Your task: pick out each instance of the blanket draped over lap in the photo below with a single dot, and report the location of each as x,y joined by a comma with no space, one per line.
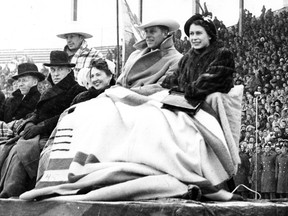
124,146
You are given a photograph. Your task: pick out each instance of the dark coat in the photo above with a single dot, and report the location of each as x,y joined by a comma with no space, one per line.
282,173
256,172
202,73
54,101
15,108
90,93
268,180
243,171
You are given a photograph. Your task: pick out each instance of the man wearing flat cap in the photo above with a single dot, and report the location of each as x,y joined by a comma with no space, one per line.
154,57
25,98
77,47
22,162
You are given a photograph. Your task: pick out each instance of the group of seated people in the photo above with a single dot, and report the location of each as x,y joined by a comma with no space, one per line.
169,125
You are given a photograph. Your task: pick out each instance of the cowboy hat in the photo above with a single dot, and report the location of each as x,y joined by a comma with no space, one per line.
59,58
26,69
74,28
171,24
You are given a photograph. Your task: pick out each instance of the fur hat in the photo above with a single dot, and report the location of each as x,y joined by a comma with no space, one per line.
31,69
171,24
206,23
59,58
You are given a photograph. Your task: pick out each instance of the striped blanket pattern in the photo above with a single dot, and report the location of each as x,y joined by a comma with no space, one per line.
124,146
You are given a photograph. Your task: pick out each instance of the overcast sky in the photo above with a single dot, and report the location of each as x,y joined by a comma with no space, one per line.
35,23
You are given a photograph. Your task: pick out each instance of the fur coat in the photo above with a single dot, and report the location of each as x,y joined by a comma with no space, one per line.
203,72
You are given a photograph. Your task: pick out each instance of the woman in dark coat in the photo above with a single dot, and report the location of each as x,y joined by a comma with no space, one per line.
101,77
206,68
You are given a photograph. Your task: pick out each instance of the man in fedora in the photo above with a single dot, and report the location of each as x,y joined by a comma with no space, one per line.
154,56
77,47
25,98
20,169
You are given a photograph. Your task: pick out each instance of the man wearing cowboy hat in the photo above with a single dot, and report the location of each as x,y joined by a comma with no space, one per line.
25,98
77,48
23,158
154,56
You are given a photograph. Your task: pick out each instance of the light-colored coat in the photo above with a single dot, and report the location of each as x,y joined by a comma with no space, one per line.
145,67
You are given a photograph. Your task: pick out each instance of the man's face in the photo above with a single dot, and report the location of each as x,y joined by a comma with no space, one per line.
58,73
25,83
154,36
74,41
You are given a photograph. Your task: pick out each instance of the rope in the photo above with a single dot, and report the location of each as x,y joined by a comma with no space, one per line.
253,191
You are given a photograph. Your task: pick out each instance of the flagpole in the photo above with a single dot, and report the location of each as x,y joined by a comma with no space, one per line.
141,10
74,10
118,47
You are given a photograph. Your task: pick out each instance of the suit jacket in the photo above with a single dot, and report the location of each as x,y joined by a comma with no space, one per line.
15,107
145,67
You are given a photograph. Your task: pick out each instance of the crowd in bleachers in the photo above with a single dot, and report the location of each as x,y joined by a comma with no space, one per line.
261,65
261,60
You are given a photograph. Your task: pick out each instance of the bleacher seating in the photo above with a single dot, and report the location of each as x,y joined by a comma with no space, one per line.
40,55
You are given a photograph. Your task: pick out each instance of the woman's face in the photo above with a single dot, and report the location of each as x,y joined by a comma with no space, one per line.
99,79
198,37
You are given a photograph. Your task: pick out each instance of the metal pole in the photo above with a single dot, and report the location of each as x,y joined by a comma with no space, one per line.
241,9
74,10
141,10
118,47
256,143
195,6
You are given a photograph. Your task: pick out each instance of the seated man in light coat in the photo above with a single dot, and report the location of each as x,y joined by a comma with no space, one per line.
154,56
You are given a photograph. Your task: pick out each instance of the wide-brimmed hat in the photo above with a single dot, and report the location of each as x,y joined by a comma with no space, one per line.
171,24
31,69
59,58
74,28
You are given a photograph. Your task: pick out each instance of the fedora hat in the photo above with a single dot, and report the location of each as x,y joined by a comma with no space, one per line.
59,58
74,28
171,24
31,69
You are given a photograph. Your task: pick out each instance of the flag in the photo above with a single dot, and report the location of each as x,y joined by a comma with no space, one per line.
131,34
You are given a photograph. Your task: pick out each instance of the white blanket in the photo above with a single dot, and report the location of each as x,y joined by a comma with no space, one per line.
124,146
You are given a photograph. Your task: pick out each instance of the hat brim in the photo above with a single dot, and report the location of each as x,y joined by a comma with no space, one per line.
60,64
38,75
85,35
171,24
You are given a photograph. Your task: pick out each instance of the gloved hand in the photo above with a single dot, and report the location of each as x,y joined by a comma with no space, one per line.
32,131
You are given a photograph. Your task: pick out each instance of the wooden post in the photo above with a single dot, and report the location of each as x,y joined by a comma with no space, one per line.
74,10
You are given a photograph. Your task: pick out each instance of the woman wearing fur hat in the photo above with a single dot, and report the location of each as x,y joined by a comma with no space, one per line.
206,68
